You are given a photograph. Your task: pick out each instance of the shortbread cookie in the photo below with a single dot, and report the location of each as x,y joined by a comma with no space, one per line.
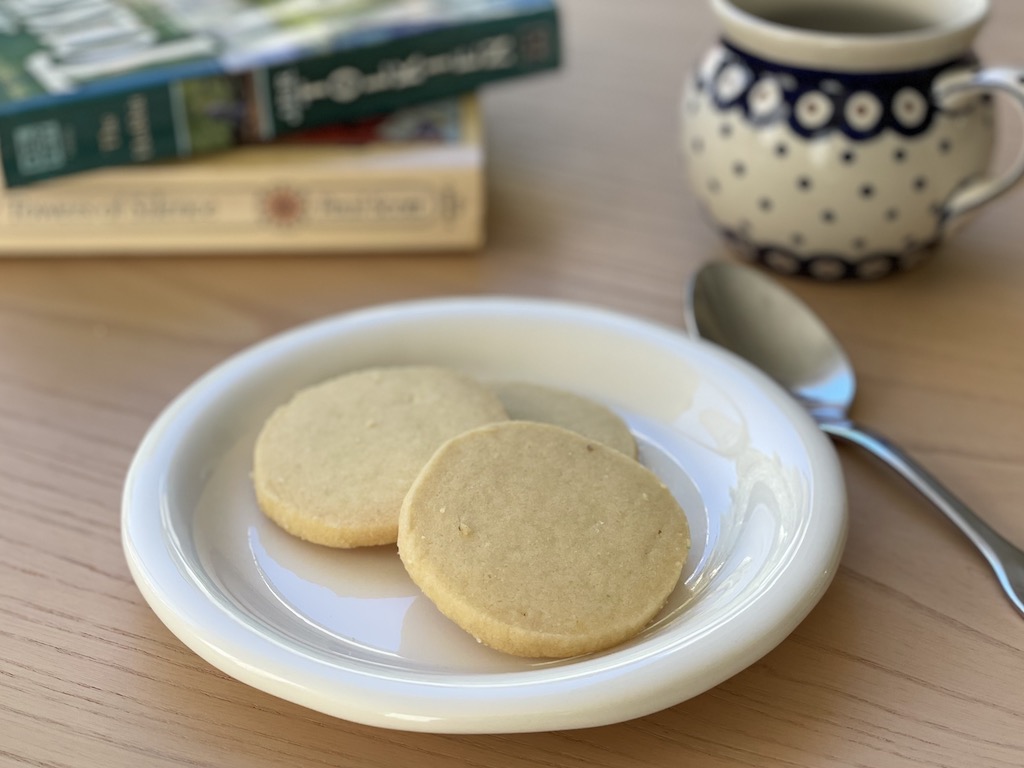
533,402
333,465
540,542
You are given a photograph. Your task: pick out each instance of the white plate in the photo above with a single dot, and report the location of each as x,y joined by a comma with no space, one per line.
348,634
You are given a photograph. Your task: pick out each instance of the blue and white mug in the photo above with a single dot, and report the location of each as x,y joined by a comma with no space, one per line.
844,138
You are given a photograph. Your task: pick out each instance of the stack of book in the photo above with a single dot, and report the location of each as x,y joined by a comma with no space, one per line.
173,126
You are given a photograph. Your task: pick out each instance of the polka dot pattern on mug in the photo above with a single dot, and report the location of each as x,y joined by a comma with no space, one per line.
833,177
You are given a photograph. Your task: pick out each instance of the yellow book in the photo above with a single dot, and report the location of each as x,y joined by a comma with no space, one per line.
417,184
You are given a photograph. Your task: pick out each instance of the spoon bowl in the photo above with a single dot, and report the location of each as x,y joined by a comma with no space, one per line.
746,312
767,326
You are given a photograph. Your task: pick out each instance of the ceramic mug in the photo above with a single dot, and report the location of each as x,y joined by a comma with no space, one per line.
844,138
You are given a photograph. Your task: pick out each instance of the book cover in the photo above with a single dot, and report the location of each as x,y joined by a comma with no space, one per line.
412,181
92,83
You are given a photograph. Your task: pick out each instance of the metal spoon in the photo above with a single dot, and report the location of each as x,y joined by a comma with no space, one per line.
741,309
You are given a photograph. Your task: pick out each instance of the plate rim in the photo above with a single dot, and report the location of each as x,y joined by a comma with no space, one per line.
647,691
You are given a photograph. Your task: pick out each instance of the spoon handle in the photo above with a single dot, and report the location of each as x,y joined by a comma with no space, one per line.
1006,560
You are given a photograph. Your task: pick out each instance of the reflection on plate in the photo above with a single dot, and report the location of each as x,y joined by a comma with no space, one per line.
347,633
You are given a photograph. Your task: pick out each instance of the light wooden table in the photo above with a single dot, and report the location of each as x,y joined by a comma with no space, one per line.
913,657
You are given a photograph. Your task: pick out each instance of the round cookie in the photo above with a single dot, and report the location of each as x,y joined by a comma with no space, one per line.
540,542
334,463
533,402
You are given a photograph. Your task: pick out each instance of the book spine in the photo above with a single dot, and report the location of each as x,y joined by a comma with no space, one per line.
215,112
424,209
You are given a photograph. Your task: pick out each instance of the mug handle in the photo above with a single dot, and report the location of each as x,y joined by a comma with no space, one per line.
986,189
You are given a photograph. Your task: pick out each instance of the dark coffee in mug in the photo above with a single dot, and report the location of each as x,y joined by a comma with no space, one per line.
845,18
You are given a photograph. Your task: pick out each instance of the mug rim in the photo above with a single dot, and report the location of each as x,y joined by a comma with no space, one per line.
946,39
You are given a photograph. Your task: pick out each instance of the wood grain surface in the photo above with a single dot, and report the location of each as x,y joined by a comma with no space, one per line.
913,658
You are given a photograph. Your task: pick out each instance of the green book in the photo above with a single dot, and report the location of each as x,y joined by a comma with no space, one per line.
92,83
